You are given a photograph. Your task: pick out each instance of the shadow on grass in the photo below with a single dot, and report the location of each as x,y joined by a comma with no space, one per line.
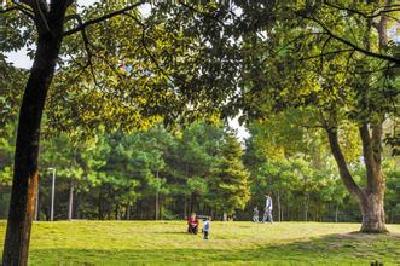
338,249
174,233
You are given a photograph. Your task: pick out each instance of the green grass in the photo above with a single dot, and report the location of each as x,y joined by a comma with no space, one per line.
239,243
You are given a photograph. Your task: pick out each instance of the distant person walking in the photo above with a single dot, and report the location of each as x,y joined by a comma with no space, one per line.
268,208
206,227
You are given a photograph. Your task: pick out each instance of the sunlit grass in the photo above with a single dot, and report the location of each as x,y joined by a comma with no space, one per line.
243,243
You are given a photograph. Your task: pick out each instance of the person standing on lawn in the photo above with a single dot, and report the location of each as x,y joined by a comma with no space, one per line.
268,208
206,227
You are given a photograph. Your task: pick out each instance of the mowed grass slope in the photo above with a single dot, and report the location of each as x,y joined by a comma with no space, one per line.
240,243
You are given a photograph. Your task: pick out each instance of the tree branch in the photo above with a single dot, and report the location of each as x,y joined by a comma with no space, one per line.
354,46
26,2
205,14
86,41
326,53
19,8
373,14
345,174
103,18
40,9
10,9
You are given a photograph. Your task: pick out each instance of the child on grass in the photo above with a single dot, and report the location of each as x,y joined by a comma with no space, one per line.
206,227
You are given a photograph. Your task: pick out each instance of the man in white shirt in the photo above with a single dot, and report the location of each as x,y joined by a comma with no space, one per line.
268,208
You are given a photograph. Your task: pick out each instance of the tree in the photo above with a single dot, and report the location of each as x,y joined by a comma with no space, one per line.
228,185
342,85
288,157
49,22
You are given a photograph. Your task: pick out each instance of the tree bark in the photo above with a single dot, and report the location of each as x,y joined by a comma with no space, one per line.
373,214
25,177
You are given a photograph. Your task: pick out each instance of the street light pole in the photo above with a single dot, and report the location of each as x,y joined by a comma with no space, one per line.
157,196
52,193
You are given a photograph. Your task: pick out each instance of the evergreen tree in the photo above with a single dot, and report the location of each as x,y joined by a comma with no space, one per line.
229,185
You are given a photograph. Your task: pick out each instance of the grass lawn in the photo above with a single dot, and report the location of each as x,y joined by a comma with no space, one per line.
239,243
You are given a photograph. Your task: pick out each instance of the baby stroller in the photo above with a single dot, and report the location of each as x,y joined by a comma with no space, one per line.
256,216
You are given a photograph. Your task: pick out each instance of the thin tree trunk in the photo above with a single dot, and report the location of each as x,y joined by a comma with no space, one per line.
117,212
25,178
306,207
37,201
100,203
336,213
128,211
191,203
71,200
77,205
184,208
288,210
156,207
279,206
161,209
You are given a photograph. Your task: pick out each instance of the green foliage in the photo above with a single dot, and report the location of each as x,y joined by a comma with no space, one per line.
283,64
302,176
229,187
11,84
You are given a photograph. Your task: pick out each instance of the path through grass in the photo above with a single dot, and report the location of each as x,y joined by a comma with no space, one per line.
240,243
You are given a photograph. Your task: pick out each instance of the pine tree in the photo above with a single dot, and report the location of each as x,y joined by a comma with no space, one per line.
229,187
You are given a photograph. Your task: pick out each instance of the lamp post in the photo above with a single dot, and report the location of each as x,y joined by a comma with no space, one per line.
52,192
157,197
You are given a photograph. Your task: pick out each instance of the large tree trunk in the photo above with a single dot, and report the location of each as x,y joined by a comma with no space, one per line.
373,214
25,178
372,197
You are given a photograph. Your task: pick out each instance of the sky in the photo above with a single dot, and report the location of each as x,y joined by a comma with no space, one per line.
21,60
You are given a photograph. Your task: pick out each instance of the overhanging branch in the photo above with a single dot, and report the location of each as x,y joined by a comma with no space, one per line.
326,54
84,25
89,62
18,8
352,45
372,14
